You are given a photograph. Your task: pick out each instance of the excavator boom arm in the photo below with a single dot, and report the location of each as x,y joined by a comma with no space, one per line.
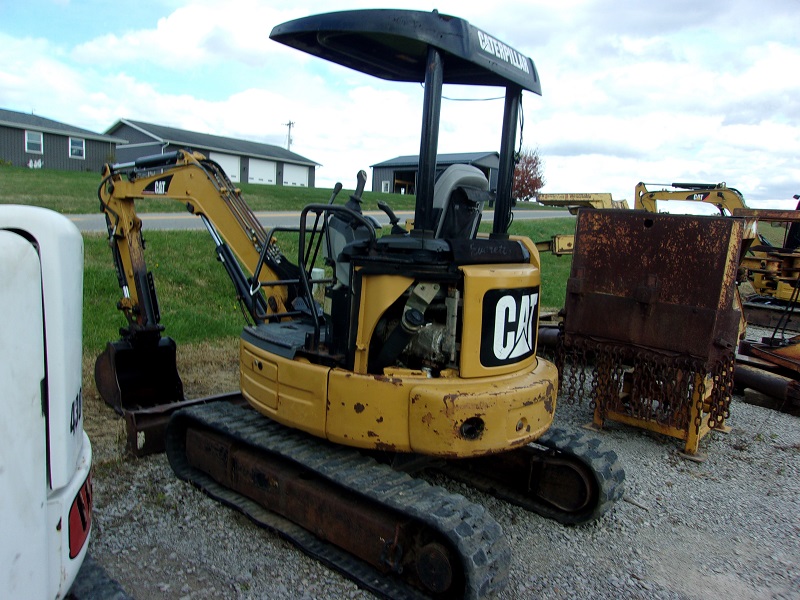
720,195
207,192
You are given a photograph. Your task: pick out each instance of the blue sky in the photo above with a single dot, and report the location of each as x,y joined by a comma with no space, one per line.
659,91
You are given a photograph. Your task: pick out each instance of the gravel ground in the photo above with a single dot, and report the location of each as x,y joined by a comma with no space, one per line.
726,528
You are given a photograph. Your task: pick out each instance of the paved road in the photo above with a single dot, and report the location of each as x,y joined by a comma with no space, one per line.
185,221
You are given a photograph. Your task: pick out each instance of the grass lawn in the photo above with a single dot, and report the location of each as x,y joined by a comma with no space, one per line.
196,297
74,192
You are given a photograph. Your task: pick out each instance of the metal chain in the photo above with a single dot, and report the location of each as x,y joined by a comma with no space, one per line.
662,387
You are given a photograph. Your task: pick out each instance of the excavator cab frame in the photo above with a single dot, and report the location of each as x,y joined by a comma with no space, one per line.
397,45
432,49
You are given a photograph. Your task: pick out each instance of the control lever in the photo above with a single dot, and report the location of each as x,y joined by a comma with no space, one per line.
354,203
393,220
336,189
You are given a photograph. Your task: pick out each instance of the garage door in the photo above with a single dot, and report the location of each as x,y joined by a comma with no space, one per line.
262,171
295,175
229,164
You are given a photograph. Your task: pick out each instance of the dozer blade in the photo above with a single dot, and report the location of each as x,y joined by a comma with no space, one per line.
134,376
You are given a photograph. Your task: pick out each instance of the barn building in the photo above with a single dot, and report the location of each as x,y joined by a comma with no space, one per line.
28,140
242,160
399,175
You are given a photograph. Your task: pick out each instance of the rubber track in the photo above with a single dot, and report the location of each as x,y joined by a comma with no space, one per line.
603,461
476,536
608,473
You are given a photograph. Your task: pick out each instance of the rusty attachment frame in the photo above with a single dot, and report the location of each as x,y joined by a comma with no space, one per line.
652,307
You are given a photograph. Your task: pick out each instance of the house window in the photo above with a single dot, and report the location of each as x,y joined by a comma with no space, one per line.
34,142
77,148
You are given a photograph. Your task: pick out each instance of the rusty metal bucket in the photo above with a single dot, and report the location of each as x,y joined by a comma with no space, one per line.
652,303
142,375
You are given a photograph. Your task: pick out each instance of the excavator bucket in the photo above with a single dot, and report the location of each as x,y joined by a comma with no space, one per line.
131,376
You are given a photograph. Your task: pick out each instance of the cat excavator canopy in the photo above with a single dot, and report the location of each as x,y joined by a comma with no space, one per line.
433,49
393,45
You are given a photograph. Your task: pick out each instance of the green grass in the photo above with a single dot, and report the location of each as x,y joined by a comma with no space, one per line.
555,269
63,191
196,297
71,192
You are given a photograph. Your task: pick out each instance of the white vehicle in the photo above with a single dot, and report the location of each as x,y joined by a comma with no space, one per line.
46,457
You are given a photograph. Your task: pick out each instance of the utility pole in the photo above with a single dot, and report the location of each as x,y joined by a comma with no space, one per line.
290,124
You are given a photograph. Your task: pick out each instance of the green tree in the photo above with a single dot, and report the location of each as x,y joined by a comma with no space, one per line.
528,175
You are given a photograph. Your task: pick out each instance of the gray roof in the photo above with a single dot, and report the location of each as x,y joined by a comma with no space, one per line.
18,120
441,159
175,136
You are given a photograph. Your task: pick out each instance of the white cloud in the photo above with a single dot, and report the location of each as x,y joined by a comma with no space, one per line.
199,34
656,91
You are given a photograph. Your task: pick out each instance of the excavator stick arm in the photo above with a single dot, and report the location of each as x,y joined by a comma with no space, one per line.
139,370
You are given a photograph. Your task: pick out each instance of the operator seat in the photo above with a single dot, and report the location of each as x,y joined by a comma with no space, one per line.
341,232
458,198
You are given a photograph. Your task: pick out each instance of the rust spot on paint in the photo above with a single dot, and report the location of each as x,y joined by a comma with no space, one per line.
359,408
450,455
450,403
392,380
548,404
372,434
379,420
385,447
427,419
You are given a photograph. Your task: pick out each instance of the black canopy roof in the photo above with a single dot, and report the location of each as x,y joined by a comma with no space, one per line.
393,44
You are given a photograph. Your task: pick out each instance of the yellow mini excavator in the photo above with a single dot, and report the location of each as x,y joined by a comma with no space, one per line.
422,353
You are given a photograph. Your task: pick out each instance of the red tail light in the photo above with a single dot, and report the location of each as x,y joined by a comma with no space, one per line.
80,518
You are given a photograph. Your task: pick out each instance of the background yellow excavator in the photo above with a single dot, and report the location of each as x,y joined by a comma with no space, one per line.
772,268
421,352
725,198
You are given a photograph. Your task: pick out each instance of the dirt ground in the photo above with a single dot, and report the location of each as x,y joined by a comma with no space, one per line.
205,369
